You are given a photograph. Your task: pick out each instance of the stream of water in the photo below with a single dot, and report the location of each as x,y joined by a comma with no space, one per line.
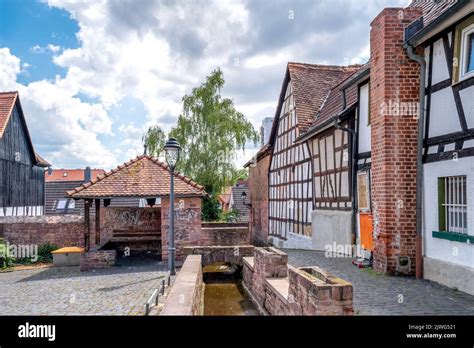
223,292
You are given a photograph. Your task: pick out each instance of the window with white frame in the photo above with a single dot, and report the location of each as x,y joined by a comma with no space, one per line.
467,52
452,194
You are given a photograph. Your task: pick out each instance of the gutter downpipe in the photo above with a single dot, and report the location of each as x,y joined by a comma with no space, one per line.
419,161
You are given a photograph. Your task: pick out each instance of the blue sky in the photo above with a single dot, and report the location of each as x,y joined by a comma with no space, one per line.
94,75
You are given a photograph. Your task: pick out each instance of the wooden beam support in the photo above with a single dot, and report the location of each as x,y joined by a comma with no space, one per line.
97,222
87,235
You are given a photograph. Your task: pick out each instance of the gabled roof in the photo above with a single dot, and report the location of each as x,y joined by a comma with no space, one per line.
7,103
71,174
144,177
263,152
333,105
432,9
311,84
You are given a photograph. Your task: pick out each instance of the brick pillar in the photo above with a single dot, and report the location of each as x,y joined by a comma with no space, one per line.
187,224
394,81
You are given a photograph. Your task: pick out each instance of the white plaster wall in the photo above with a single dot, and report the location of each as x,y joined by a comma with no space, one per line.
440,67
22,211
467,99
332,226
441,249
443,115
364,127
293,241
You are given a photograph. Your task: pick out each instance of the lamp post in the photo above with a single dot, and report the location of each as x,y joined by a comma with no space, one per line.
172,150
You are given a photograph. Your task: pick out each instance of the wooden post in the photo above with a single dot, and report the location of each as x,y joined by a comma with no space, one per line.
97,222
87,208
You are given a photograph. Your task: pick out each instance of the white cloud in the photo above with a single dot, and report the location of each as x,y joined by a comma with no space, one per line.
64,129
50,48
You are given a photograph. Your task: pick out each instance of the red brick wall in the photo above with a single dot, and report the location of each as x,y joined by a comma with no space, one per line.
258,189
187,224
394,78
62,230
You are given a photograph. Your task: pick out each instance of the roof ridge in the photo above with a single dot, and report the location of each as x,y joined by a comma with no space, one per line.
325,66
113,171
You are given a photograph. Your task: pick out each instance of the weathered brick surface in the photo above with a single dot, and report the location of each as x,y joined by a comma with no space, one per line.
216,233
62,230
258,191
98,259
281,289
214,254
187,224
394,80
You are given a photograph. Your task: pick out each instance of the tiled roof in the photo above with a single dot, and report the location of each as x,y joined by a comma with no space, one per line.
71,174
144,176
7,102
264,150
311,84
333,104
432,9
41,161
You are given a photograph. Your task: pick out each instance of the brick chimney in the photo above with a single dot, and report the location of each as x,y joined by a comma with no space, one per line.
87,174
394,81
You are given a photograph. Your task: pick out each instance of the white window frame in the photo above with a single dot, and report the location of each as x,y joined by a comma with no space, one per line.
463,74
455,204
60,202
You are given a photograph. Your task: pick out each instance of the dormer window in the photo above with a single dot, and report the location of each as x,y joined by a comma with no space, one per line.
64,174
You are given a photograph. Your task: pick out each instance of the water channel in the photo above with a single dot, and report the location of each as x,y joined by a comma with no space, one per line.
223,291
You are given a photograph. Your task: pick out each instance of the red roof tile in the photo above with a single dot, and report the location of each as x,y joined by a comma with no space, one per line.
71,174
311,84
7,102
144,176
333,104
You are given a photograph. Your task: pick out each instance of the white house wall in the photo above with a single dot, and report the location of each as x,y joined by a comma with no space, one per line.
364,126
441,249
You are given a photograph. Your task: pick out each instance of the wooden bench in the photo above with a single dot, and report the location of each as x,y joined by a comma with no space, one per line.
136,236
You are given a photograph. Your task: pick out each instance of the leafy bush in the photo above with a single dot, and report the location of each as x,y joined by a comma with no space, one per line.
210,208
229,216
44,252
6,261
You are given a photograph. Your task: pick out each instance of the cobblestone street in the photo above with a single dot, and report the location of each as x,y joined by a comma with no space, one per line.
68,291
376,294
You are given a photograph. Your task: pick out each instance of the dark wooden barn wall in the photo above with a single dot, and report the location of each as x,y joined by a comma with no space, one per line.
21,182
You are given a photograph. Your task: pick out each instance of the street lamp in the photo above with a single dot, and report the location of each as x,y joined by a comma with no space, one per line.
172,150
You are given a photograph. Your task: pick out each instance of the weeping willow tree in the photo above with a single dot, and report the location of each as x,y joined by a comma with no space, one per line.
154,140
211,132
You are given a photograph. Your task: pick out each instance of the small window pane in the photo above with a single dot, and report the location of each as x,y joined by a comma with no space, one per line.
470,53
61,204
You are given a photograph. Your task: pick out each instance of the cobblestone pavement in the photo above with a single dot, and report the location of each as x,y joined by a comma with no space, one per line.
376,294
68,291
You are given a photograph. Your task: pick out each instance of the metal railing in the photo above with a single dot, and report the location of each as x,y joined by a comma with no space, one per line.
153,300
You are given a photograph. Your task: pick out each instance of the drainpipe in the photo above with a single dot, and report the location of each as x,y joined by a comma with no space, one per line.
419,160
352,132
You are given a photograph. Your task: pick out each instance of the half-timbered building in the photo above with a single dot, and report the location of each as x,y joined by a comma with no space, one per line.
445,34
333,140
304,89
21,169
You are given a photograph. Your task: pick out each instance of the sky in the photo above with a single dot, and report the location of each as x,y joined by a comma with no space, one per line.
94,75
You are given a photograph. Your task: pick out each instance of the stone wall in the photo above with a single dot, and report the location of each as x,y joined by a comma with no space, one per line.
187,224
394,81
217,233
98,259
62,230
280,289
186,297
214,254
258,191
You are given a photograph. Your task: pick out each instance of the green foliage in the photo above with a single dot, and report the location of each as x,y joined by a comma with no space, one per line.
6,261
44,252
210,208
211,131
154,139
229,216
